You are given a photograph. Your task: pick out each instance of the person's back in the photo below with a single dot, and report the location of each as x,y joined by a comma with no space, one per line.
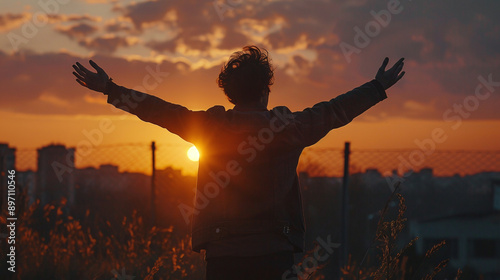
247,213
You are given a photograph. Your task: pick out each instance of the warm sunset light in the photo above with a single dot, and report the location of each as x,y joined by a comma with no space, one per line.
193,154
309,131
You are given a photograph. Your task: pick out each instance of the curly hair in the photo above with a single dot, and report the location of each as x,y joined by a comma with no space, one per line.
246,77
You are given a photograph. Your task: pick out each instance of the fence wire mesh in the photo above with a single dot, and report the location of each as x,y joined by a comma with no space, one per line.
129,157
317,162
329,161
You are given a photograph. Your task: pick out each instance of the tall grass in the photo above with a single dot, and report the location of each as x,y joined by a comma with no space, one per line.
97,250
393,262
53,245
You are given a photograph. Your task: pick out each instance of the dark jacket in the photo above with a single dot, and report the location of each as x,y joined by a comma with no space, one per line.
247,179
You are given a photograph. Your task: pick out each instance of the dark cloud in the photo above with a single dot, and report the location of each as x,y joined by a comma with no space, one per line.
233,39
195,19
79,30
118,26
87,32
105,44
72,17
145,12
312,19
451,40
28,77
162,46
27,88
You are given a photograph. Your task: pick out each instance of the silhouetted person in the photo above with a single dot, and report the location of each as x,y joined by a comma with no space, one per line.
248,208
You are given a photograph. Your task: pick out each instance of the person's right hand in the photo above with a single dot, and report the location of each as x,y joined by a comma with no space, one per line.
388,78
94,81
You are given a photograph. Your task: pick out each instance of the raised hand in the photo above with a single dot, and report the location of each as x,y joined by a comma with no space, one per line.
388,78
94,81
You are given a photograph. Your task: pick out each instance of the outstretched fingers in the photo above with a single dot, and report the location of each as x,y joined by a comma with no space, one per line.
397,71
81,74
381,70
78,76
81,83
400,76
78,70
83,69
398,65
96,67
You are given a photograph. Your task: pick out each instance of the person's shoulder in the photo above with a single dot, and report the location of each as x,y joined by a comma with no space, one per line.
216,110
284,114
281,110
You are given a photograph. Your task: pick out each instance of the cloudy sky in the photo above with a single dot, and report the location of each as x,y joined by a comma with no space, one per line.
175,49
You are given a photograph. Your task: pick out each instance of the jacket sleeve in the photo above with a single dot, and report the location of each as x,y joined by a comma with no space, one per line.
314,123
175,118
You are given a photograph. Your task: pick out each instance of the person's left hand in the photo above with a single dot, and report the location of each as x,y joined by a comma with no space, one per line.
388,78
94,81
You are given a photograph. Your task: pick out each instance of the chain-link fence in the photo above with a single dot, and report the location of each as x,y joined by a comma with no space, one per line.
329,161
129,167
128,157
317,162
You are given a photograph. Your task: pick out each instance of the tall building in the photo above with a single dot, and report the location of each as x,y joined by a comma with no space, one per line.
7,162
55,174
26,180
472,240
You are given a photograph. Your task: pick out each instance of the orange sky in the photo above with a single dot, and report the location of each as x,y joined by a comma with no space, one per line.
448,57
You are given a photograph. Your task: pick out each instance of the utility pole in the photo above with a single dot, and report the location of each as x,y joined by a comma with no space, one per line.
345,206
153,187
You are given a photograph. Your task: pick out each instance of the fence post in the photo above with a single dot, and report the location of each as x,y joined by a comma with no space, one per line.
345,207
153,187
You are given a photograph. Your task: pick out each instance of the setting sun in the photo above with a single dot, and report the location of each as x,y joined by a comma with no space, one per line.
193,154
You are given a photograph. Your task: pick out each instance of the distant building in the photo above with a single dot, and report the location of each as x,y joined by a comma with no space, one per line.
27,181
172,183
373,179
55,174
106,178
7,162
169,172
472,240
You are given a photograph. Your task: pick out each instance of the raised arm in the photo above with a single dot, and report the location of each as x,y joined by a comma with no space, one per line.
314,123
177,119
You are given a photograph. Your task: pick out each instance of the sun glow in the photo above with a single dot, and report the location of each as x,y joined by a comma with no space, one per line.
193,154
